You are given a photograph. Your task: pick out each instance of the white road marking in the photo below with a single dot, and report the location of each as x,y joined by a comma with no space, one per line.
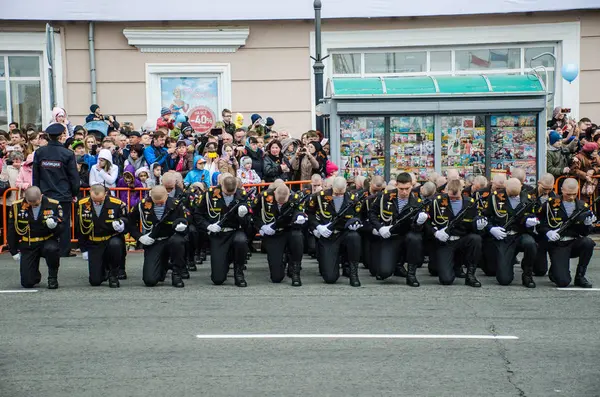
352,336
579,289
16,291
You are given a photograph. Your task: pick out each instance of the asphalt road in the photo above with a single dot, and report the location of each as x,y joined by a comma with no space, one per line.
138,341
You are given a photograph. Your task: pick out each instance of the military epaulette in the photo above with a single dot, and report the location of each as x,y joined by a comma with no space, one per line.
322,193
586,205
472,200
265,193
52,201
115,200
439,197
84,200
296,196
529,196
352,197
419,200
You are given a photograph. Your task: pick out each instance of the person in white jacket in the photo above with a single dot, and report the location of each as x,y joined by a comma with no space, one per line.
104,172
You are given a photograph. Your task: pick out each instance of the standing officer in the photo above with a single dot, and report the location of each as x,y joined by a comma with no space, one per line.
399,241
463,241
224,215
37,222
335,230
544,191
55,173
573,241
165,243
510,234
101,220
280,221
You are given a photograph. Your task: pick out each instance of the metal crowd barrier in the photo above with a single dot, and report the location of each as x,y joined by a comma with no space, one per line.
141,191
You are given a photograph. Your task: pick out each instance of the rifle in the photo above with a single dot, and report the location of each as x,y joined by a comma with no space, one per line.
228,214
179,200
461,214
279,222
342,213
576,214
521,210
409,214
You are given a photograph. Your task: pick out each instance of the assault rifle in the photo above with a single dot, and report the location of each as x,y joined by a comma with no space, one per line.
576,214
342,213
237,203
409,214
289,210
461,214
521,210
179,202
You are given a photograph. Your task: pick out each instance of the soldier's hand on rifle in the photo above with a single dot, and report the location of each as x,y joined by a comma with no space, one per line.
146,240
481,223
384,232
422,218
442,235
375,232
553,235
589,221
324,231
242,211
531,222
214,228
51,223
17,257
119,226
267,230
300,220
498,232
181,227
85,256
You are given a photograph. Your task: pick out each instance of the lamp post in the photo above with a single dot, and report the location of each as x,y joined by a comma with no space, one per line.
318,66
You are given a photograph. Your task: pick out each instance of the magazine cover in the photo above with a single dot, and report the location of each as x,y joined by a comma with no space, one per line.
463,144
513,144
361,146
412,146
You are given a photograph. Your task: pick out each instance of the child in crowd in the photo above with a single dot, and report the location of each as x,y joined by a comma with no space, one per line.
165,120
246,173
143,174
198,174
128,180
156,177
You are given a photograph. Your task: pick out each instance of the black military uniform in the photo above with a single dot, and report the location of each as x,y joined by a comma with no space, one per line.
500,254
168,247
310,242
231,241
105,245
573,242
55,173
30,234
287,235
463,244
406,242
194,243
540,265
370,256
321,211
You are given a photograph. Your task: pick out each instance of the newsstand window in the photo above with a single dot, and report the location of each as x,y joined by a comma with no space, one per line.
361,146
463,144
412,146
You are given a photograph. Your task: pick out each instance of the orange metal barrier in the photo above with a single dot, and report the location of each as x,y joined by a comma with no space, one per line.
140,191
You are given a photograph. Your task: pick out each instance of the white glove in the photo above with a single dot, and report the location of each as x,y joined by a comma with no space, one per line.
146,240
51,223
355,227
119,226
17,257
498,232
481,223
300,220
267,230
442,235
242,211
385,232
323,231
180,227
531,222
85,256
589,221
553,235
316,233
214,228
422,218
376,232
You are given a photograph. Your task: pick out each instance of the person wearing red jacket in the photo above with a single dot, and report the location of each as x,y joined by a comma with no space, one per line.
165,120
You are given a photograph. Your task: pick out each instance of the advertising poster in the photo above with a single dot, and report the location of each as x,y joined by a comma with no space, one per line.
412,145
195,97
463,144
361,146
513,144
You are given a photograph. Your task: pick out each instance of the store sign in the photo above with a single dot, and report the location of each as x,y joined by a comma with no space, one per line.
202,119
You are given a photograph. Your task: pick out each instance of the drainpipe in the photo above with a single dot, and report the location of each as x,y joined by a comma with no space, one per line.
92,62
50,56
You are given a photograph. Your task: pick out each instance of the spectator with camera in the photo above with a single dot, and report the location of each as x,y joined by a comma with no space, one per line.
156,152
165,120
275,165
96,115
304,162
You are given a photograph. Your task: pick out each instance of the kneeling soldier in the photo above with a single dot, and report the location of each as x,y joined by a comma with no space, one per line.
279,220
165,218
397,217
566,222
101,221
34,224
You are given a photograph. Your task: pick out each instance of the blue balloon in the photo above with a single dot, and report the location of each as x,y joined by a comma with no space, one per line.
570,72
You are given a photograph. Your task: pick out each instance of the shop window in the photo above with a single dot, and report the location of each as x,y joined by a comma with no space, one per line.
513,143
346,63
20,90
545,61
361,146
412,145
499,58
440,61
463,144
396,62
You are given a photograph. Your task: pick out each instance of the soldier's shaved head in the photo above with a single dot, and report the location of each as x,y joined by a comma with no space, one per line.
339,185
97,193
479,182
377,184
282,193
452,174
570,184
33,195
159,194
433,177
428,189
316,178
327,183
513,187
454,187
519,173
498,181
546,180
229,185
359,182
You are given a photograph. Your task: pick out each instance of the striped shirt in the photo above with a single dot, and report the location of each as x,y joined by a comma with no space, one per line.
159,210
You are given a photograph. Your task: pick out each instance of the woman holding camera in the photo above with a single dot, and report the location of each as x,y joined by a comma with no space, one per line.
304,163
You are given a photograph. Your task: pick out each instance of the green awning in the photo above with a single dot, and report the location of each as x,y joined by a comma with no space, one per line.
434,86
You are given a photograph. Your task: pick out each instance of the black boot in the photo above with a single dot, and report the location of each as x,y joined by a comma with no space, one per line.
411,278
198,259
122,274
580,280
52,278
527,278
400,271
184,273
346,270
470,278
459,272
202,255
191,265
113,280
296,282
354,281
238,276
176,280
